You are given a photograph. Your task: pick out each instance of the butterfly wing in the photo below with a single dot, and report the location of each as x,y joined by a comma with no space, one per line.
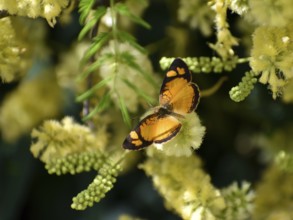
177,93
155,128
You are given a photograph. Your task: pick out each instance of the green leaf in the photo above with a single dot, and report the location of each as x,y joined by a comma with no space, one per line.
85,7
122,9
97,44
124,111
94,66
92,90
101,11
103,104
129,60
126,37
139,91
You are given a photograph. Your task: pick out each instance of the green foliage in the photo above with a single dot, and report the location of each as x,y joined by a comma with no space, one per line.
84,8
92,63
123,10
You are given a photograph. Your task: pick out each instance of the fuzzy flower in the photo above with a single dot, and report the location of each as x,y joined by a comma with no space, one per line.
69,67
188,139
14,54
130,81
32,102
287,95
48,9
197,13
239,6
273,59
58,140
271,12
186,189
274,195
225,40
239,200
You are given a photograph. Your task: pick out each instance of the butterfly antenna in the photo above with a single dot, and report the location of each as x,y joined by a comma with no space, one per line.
214,88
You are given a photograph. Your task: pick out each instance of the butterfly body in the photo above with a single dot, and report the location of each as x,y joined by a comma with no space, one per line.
178,97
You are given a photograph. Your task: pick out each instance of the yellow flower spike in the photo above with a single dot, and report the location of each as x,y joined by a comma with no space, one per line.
59,140
271,13
16,48
273,201
225,40
273,61
185,188
101,184
239,200
28,105
48,9
288,92
197,14
243,89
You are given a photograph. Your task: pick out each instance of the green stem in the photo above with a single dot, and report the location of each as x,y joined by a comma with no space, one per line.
116,47
243,60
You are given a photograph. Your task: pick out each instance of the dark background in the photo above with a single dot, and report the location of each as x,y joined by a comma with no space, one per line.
28,192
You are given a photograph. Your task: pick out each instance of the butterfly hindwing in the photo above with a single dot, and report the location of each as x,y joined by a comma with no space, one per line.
177,92
155,128
178,96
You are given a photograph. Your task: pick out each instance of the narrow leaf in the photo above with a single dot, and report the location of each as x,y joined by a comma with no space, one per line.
124,111
85,7
139,91
129,60
92,90
102,105
88,26
126,37
98,42
101,11
123,10
94,66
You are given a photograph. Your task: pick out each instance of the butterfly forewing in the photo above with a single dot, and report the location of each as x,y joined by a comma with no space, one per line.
178,69
178,96
155,128
177,92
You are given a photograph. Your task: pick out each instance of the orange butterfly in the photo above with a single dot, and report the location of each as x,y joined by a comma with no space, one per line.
178,96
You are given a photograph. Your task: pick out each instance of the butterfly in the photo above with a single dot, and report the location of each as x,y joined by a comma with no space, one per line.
178,97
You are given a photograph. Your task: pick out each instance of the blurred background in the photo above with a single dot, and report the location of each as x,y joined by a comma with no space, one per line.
231,150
